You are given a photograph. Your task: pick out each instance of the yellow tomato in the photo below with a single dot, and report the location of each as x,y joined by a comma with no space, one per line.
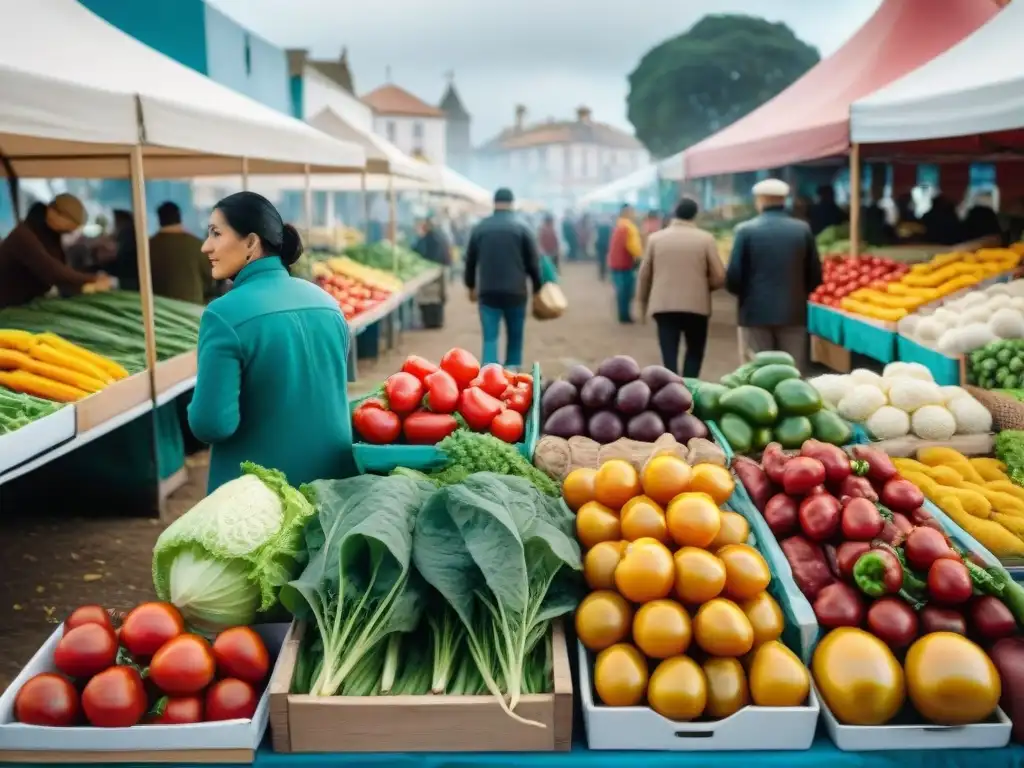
713,480
746,572
596,523
661,628
579,487
693,519
646,571
599,564
700,576
641,517
620,676
603,619
951,681
727,687
665,477
678,689
734,530
858,677
616,483
721,628
765,617
777,677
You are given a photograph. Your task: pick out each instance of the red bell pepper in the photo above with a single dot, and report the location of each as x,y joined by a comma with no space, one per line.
418,366
426,428
404,392
517,400
442,392
461,365
375,423
491,380
478,408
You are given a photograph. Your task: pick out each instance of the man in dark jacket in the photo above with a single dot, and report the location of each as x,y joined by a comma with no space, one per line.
500,256
773,268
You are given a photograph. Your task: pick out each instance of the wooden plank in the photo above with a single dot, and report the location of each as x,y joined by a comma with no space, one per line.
113,400
175,370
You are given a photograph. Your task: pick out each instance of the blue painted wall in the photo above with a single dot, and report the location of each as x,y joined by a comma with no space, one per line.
246,63
176,28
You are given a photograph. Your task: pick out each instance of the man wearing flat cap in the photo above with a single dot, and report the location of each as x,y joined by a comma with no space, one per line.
32,258
773,268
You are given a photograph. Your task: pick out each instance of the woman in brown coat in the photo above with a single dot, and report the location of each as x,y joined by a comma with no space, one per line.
681,268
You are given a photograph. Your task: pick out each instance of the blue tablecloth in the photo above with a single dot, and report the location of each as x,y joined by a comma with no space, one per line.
825,322
945,370
869,340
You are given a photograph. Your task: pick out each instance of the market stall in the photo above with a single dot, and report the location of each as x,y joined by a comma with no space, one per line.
147,114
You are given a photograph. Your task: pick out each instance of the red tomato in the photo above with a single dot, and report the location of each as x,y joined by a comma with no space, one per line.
442,392
177,710
183,665
115,698
949,582
418,366
88,614
427,428
478,408
47,699
491,380
240,652
86,650
508,426
461,365
404,392
149,626
375,423
229,699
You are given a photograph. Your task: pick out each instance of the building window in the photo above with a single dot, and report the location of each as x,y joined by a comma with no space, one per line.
391,131
248,56
417,130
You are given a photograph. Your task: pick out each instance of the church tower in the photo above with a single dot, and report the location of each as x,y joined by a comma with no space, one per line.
459,147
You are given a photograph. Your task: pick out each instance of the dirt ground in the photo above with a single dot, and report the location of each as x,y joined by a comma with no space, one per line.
49,568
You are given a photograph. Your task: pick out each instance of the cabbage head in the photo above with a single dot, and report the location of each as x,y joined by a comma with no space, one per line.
225,560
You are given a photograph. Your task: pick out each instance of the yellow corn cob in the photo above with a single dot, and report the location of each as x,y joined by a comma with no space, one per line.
19,361
109,367
47,354
22,341
39,386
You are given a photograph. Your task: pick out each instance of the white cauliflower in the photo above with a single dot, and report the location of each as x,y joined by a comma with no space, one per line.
933,422
887,423
971,417
861,402
910,394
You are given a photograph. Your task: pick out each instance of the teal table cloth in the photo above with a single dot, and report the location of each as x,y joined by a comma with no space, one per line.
825,322
869,340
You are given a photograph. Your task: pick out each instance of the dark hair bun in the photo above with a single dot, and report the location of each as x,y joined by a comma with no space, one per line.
291,245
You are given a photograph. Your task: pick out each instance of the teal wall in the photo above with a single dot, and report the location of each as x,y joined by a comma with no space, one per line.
246,63
176,28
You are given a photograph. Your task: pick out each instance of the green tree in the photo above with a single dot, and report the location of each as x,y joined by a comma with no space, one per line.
695,84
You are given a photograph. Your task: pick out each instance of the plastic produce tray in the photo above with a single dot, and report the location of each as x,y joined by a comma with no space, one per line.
381,459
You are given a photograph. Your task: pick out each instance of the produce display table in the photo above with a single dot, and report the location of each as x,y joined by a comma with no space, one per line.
869,338
945,370
825,322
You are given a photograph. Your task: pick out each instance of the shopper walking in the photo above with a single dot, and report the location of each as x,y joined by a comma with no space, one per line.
681,268
624,251
500,257
773,268
547,240
273,355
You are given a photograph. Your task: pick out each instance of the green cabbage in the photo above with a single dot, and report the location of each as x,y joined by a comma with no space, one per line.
225,560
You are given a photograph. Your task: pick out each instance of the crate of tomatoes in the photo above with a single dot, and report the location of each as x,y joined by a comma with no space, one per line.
403,420
140,688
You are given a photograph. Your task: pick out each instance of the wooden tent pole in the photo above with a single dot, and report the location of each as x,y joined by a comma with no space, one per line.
855,196
393,223
138,181
245,174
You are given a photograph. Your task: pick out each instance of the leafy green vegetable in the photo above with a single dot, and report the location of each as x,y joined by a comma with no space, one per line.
503,556
359,586
1010,451
385,256
226,558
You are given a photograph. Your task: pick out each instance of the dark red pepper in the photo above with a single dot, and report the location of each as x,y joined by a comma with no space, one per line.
807,561
880,466
774,461
857,487
478,408
834,458
901,495
801,474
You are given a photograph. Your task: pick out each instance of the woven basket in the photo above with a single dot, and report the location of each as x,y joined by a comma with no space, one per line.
1007,413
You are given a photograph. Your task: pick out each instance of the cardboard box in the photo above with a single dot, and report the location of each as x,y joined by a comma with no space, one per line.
303,723
229,741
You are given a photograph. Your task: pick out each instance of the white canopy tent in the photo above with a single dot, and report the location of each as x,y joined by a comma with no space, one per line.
382,157
671,168
78,95
975,87
622,190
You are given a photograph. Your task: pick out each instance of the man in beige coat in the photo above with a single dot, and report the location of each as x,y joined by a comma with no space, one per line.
681,268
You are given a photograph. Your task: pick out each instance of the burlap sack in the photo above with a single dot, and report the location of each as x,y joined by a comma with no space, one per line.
1007,413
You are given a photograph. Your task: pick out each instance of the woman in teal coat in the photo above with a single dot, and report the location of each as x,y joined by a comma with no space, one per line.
273,355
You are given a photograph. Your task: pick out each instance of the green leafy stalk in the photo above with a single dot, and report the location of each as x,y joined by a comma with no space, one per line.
446,640
387,677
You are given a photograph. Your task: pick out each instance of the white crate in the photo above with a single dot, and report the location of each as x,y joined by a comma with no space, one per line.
36,438
138,743
871,738
641,728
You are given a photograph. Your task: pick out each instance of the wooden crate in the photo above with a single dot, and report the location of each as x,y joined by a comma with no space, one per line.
175,370
112,401
832,356
303,723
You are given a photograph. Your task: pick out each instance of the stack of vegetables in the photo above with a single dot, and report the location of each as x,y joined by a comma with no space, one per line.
424,403
970,322
343,266
997,365
847,275
353,295
147,671
886,582
674,581
620,400
18,409
48,367
925,283
976,493
396,259
766,400
903,400
111,325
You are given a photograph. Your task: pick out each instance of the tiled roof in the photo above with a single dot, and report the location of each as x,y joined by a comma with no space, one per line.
391,100
562,132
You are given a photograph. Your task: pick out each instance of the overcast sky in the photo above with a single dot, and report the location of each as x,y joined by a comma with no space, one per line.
551,55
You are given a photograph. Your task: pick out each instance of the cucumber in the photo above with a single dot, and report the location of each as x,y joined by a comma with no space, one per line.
795,397
737,432
705,401
771,375
773,357
753,404
792,431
